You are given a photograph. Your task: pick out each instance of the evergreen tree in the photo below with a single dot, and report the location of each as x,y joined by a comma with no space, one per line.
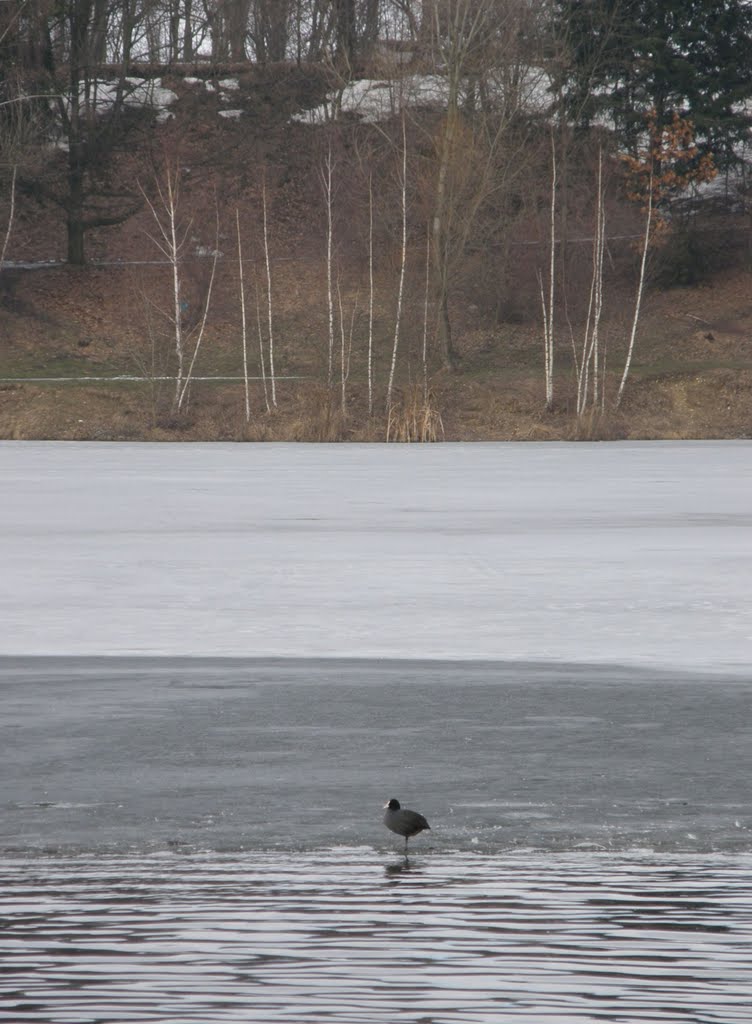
692,58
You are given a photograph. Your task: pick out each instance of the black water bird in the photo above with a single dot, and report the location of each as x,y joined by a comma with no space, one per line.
403,822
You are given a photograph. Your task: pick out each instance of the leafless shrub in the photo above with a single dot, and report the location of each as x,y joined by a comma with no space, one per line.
415,417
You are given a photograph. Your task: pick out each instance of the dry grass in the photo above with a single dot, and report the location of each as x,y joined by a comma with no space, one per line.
714,404
692,372
415,416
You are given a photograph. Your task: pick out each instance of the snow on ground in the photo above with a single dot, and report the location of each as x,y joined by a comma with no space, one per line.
634,552
378,99
374,100
371,99
139,92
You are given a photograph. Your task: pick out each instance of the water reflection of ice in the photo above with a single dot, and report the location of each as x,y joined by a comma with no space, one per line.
352,936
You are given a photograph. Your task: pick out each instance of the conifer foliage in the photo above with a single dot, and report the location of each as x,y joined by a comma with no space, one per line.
691,58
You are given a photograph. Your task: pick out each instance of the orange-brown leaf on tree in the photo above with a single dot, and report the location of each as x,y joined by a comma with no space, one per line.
668,163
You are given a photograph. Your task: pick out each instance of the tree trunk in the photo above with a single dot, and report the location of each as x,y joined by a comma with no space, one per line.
79,24
444,334
76,199
236,27
345,31
188,30
174,23
76,236
277,32
440,229
371,24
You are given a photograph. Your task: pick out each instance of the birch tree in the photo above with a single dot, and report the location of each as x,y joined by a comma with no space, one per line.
403,264
667,164
269,303
587,360
11,217
244,332
171,239
326,177
370,295
547,304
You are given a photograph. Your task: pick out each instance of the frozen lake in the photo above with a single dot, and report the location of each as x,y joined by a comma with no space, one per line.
217,663
192,842
149,755
610,553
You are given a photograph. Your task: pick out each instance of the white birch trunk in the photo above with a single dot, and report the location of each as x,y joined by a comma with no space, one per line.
177,303
342,368
269,300
638,297
425,316
262,357
329,290
243,320
400,292
171,246
544,313
598,296
590,344
549,321
11,217
370,295
204,316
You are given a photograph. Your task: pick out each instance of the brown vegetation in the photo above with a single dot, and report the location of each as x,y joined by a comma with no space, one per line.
691,374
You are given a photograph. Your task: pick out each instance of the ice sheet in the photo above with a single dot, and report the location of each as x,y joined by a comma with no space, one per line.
637,553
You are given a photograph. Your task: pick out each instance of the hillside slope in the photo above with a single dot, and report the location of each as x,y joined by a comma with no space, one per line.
692,369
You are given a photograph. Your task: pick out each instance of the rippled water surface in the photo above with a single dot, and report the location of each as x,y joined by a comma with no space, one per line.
348,935
186,841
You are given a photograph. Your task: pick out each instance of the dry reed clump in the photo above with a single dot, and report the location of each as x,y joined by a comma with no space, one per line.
599,425
317,417
415,417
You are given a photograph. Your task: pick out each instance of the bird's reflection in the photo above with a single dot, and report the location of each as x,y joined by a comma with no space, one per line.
402,867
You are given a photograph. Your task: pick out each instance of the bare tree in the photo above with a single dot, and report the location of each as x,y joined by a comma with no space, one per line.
476,46
426,299
370,295
269,304
640,288
667,164
326,177
241,283
346,35
548,306
227,24
11,216
262,357
171,239
269,28
403,264
587,364
93,127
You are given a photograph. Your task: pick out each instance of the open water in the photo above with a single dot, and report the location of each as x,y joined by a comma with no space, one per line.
200,840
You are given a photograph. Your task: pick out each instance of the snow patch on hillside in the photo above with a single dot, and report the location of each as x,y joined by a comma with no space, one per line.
374,100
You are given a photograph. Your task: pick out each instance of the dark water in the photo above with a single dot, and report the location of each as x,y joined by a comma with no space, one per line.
201,841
